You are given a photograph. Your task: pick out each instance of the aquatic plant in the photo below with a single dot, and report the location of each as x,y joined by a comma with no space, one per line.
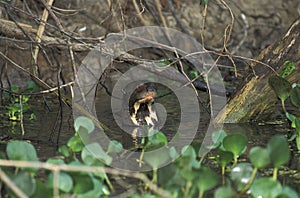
82,173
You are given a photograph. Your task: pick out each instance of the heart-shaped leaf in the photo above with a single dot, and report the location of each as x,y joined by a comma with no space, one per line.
156,139
189,157
206,180
21,150
85,122
25,182
259,157
114,147
93,152
217,138
295,96
266,187
224,158
155,159
65,183
281,86
279,150
42,190
224,192
235,143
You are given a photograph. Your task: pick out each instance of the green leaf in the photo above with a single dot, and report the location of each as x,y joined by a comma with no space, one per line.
2,155
295,97
75,143
42,191
288,68
64,150
32,116
281,86
189,157
224,158
259,157
298,142
224,192
291,118
114,147
24,101
93,152
279,150
21,150
167,174
163,62
188,174
31,86
156,139
83,183
156,159
206,180
217,138
84,122
287,192
297,125
65,183
203,1
188,151
173,153
97,191
14,88
194,74
266,187
235,143
25,182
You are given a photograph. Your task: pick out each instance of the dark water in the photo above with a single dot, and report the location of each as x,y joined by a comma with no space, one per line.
39,132
42,132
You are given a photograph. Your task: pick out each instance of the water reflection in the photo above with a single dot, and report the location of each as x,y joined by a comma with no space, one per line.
43,131
38,131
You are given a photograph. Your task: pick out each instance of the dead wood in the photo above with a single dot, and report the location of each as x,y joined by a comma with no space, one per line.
255,100
26,32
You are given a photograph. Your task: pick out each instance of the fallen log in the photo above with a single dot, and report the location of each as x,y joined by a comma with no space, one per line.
255,100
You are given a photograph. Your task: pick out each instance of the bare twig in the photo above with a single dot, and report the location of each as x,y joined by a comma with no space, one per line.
89,169
21,115
203,24
12,185
185,75
35,78
39,92
230,26
244,18
40,32
139,13
160,14
227,35
124,27
56,182
49,9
